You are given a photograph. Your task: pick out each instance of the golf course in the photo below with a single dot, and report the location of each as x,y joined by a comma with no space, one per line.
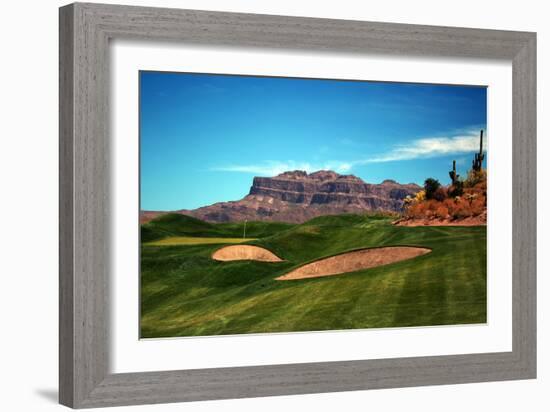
395,276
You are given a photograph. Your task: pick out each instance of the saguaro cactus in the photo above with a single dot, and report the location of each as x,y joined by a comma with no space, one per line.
453,175
478,159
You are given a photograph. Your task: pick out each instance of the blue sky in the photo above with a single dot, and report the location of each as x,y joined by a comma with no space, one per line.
204,137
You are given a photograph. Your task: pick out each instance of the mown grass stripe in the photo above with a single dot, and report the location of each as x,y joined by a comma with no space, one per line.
189,240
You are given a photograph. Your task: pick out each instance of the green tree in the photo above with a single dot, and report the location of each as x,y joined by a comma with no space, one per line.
430,187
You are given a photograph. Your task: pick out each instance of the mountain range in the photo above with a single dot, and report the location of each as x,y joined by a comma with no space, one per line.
297,196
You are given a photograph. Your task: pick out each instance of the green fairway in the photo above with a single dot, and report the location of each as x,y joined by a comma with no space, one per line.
190,240
186,293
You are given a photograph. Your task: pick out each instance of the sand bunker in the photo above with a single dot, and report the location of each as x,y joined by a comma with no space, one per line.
245,252
353,261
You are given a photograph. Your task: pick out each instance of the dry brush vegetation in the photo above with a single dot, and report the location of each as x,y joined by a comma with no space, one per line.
447,203
464,201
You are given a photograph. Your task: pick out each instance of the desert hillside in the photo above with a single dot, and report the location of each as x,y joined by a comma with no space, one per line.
461,203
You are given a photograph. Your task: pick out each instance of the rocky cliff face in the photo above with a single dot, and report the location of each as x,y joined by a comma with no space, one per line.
297,196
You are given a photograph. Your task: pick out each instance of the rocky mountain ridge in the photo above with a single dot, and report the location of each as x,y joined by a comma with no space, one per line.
296,196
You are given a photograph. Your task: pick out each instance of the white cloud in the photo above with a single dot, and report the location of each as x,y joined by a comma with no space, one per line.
424,148
272,168
429,147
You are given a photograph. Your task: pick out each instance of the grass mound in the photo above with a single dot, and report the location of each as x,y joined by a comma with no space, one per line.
178,225
174,224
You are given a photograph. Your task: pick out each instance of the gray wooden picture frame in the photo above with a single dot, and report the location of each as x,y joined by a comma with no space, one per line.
85,31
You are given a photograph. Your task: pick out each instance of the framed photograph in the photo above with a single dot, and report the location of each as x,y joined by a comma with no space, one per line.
256,205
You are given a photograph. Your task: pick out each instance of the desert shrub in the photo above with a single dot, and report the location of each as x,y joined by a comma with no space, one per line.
481,186
475,177
432,204
416,210
419,210
407,203
471,196
442,212
420,196
449,203
477,206
440,194
457,189
409,211
430,208
430,187
461,209
463,199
